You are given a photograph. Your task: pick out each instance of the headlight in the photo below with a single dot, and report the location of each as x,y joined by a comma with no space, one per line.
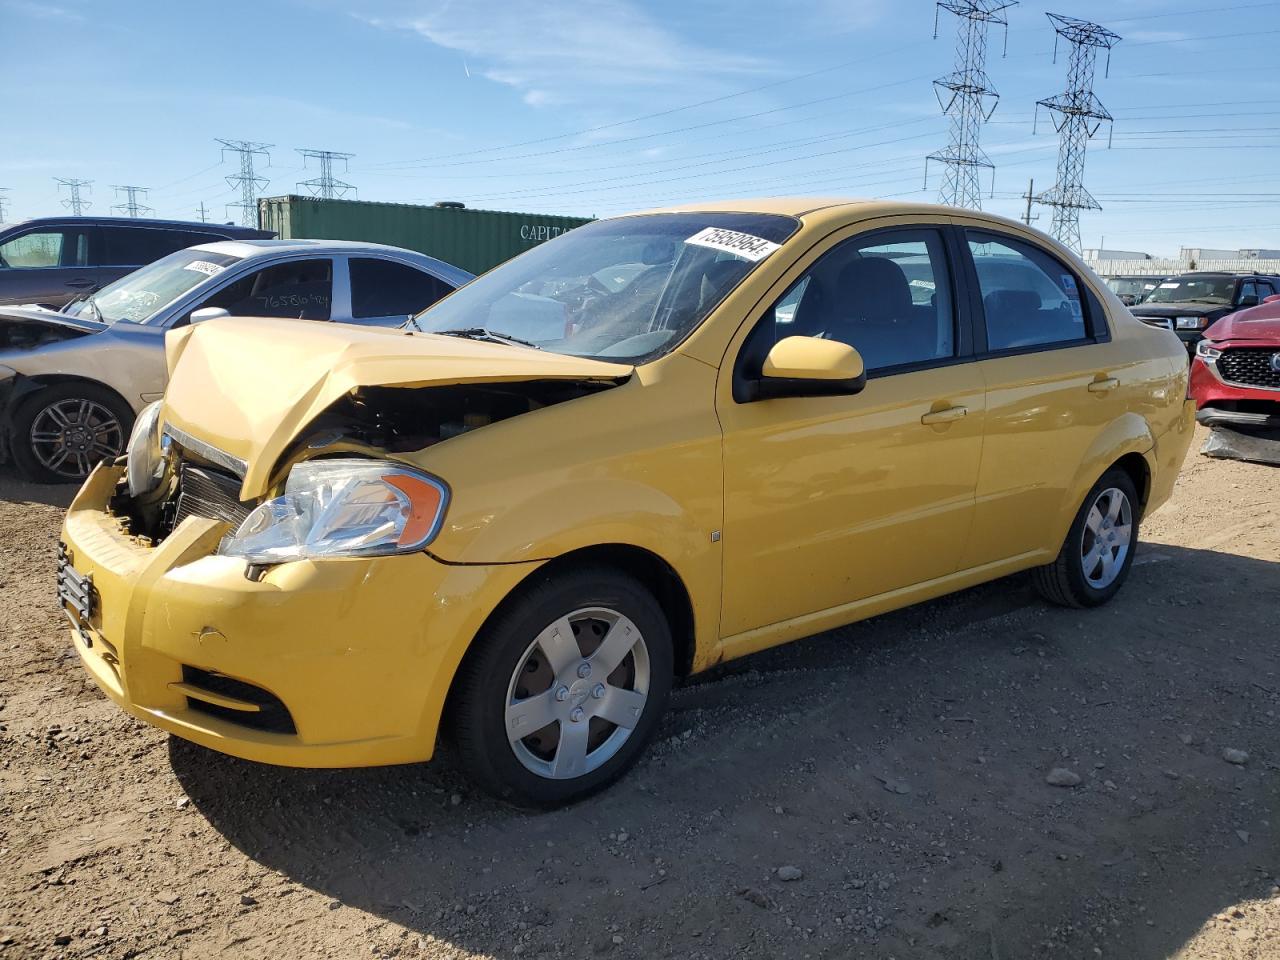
145,462
343,508
1206,351
1191,323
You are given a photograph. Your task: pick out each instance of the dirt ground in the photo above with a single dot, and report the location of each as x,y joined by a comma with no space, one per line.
899,765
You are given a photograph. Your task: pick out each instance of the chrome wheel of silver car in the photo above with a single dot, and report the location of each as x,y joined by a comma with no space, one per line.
1107,538
577,693
69,436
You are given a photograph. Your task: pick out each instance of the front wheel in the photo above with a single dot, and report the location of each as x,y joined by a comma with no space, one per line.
62,432
1098,552
564,688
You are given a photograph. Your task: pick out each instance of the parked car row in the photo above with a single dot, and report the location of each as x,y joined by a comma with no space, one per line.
643,448
1190,303
73,380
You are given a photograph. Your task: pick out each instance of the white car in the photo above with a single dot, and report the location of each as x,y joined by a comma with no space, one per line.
72,381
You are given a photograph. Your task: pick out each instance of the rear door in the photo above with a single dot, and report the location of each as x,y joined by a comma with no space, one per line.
385,293
47,265
1052,386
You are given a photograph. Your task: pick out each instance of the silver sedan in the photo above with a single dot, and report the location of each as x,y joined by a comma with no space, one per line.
72,381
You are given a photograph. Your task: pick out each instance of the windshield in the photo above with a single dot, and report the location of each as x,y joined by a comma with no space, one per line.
137,297
1132,286
630,288
1187,289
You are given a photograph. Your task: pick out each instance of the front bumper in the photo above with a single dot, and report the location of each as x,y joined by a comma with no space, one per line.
1220,403
360,652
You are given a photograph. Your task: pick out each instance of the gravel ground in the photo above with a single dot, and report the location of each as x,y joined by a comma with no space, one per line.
876,791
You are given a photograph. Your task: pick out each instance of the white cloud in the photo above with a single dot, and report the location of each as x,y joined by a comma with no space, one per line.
44,11
572,51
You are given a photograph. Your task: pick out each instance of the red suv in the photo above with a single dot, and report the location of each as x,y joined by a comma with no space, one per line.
1235,375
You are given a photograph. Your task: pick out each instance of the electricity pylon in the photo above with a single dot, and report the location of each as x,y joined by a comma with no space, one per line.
131,207
75,203
967,97
247,179
326,186
1077,115
4,201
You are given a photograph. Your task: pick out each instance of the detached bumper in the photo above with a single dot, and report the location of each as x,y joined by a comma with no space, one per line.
320,664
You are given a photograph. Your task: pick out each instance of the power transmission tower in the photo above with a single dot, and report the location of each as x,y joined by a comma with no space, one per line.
325,185
3,202
1077,115
247,180
204,214
967,97
75,203
131,207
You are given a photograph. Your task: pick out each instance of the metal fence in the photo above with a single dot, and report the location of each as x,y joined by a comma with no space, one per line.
1170,267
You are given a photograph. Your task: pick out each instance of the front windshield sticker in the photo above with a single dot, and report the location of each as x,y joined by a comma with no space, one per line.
1169,286
743,245
205,267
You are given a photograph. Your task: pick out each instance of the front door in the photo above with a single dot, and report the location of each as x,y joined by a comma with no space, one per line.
831,500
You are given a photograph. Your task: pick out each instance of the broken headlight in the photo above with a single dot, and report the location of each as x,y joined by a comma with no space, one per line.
343,508
145,460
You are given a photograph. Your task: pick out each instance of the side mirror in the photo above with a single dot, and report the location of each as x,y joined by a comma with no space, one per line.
208,313
810,367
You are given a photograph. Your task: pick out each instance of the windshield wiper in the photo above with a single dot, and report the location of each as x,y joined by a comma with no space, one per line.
484,333
97,312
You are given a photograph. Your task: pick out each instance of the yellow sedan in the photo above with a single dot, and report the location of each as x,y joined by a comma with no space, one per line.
650,445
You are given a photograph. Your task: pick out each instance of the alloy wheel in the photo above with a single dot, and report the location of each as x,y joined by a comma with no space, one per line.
577,693
1107,538
69,436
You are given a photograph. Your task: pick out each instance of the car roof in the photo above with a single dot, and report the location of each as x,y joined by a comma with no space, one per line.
256,249
824,207
145,222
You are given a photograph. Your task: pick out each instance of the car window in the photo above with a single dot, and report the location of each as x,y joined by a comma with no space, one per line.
888,295
1029,298
1247,289
300,288
385,288
46,248
135,246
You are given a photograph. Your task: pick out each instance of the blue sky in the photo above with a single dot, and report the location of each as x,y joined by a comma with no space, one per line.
601,106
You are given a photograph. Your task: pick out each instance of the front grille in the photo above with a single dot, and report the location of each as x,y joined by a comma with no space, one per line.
271,717
1251,366
204,492
1164,323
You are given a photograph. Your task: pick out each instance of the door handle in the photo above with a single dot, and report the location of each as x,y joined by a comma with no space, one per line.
948,415
79,284
1104,385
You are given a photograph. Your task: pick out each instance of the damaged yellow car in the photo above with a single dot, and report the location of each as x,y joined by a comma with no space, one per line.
650,445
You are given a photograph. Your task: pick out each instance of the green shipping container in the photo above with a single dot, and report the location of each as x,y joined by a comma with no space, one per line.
474,240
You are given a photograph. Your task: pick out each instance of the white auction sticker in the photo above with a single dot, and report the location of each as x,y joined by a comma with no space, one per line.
731,241
205,267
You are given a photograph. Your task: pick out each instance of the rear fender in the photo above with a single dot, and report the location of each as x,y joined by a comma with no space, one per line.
1128,433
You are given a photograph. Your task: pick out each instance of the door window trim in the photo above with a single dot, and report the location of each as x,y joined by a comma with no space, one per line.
1097,324
962,317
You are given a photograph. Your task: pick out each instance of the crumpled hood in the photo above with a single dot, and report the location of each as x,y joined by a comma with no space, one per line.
31,312
248,386
1260,323
1186,309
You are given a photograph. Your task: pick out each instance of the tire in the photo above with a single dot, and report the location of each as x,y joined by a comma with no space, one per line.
521,671
1089,572
103,434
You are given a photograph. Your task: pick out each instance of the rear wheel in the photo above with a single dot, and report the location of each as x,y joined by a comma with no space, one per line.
1098,552
62,432
564,688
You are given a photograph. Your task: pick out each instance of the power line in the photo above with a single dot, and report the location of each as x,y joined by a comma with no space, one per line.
247,180
1079,113
204,214
131,207
326,186
75,203
971,102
